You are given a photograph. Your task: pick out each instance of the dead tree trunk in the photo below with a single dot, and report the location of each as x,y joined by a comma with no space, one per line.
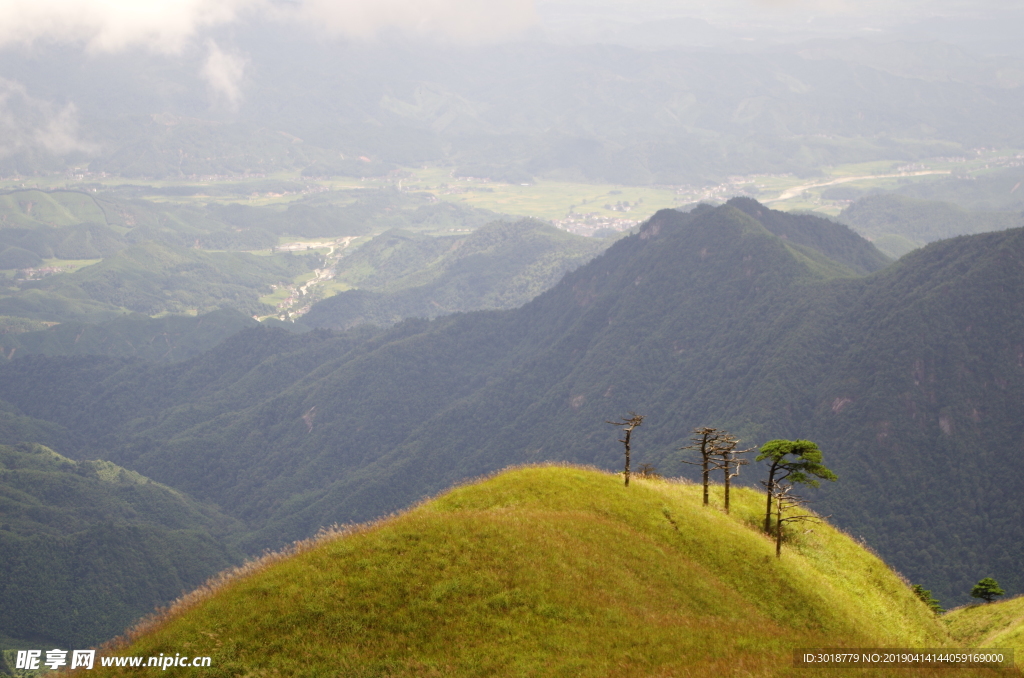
772,485
703,442
730,459
784,501
726,460
628,425
717,450
778,529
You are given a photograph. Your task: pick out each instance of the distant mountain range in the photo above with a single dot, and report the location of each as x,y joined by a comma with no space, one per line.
771,325
401,274
96,256
511,112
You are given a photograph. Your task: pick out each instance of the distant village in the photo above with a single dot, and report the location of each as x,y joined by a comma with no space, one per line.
39,273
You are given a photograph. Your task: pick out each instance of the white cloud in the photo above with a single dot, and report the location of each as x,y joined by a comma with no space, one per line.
27,123
112,25
223,72
166,26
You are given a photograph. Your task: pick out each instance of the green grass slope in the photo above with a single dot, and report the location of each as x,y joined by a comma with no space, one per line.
547,571
998,624
87,547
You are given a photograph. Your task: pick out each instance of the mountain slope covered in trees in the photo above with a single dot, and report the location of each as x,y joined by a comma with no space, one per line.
88,547
909,378
88,257
401,274
898,224
169,337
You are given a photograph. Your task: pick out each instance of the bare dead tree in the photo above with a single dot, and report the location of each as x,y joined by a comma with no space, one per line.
710,443
726,459
784,501
628,424
703,443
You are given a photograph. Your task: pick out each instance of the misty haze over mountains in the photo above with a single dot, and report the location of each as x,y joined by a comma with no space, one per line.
268,265
508,90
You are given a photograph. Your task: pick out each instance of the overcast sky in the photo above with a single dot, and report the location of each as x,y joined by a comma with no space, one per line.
205,36
168,26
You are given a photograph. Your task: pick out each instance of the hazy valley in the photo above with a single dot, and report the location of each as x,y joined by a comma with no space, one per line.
261,283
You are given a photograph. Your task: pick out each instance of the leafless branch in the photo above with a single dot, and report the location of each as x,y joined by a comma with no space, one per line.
631,422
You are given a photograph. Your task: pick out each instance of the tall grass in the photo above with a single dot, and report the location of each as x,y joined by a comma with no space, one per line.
997,624
546,571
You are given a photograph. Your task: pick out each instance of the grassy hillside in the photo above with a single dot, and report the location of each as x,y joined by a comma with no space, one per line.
998,624
548,571
86,547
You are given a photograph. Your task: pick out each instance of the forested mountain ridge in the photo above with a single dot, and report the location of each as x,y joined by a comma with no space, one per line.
927,394
704,318
835,241
169,337
400,274
898,223
92,256
88,547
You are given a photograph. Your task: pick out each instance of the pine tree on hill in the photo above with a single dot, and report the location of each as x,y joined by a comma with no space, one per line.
795,461
926,597
987,589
